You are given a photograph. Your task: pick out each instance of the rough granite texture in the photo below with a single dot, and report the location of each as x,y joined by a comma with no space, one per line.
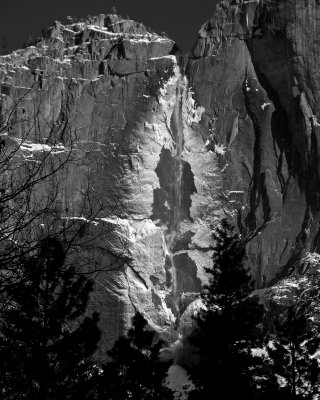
255,69
114,94
170,145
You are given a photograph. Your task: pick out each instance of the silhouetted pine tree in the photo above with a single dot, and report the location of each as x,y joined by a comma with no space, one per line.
228,327
292,354
135,371
45,350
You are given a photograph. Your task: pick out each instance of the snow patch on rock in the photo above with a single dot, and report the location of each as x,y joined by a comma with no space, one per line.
264,105
194,112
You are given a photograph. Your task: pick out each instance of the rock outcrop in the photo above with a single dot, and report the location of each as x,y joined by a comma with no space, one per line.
169,145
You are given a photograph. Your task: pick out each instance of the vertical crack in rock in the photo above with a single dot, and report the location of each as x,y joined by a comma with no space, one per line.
256,180
129,295
280,129
138,276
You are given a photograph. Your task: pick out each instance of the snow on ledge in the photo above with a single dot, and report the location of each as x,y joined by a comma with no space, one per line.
169,57
40,147
264,105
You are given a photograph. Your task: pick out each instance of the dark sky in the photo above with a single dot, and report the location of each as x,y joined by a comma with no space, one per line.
181,19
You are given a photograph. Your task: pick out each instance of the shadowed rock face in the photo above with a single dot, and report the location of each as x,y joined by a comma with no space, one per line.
254,69
165,199
169,152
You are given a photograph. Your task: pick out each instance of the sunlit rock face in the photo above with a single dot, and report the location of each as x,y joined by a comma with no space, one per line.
168,146
115,95
254,68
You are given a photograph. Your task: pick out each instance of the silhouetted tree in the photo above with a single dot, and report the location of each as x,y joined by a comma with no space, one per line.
228,327
46,342
135,371
292,354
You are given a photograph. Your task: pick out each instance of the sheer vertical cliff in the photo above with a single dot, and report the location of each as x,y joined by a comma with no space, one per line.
169,145
114,96
254,68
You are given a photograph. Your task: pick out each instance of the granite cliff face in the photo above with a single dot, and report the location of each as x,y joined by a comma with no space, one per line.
115,95
254,68
169,145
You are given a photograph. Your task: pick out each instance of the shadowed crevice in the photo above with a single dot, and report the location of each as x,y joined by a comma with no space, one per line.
164,198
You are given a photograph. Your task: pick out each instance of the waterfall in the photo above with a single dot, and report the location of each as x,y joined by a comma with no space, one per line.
175,231
173,200
177,129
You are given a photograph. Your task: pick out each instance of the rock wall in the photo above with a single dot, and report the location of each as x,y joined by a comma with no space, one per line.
114,96
254,68
168,146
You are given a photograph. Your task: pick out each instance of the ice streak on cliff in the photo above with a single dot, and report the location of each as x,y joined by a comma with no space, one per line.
176,201
174,232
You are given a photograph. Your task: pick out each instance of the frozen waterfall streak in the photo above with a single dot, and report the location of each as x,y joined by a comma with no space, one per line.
177,129
177,121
